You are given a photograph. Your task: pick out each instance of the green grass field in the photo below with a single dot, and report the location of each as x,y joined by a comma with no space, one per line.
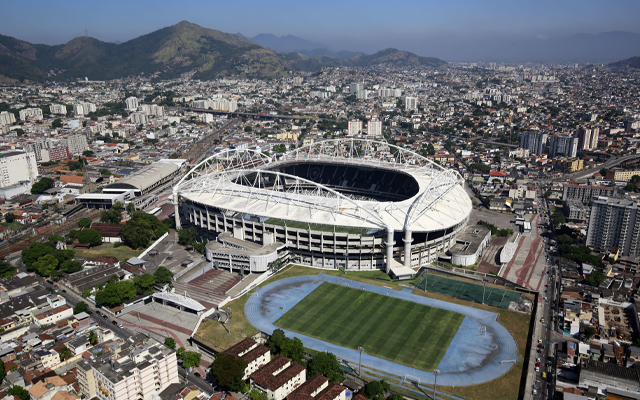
408,333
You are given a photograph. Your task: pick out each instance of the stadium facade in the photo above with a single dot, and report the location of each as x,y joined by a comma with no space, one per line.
356,204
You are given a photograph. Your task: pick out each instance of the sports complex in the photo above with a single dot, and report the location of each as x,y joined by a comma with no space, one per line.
400,333
354,204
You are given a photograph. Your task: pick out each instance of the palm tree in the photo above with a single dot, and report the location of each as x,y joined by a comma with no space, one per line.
93,338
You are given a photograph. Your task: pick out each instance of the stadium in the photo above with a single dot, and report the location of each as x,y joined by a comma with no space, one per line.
356,204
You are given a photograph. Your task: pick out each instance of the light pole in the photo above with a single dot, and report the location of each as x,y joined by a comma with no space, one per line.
360,349
484,288
436,372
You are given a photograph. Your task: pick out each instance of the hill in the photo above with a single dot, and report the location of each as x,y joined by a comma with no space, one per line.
395,57
170,52
633,62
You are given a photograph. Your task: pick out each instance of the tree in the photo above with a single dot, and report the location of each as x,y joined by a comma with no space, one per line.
589,332
163,275
90,236
258,395
85,222
80,307
93,338
9,217
19,392
170,343
3,373
64,353
87,153
191,359
228,371
294,349
141,229
6,270
396,396
565,239
375,390
595,278
70,267
187,236
131,208
144,284
326,364
42,185
45,265
113,215
276,340
558,218
57,123
116,293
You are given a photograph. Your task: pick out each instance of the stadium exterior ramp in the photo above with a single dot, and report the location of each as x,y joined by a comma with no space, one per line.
341,203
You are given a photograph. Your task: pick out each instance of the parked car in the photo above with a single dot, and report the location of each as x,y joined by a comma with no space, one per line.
115,323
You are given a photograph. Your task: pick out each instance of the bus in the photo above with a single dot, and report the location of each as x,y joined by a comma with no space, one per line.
155,211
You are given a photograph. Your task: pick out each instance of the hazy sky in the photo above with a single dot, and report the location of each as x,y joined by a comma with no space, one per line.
423,26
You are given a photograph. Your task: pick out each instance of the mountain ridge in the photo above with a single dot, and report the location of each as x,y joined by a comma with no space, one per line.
183,48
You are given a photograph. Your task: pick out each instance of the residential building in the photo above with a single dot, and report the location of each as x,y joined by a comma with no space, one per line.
410,103
30,112
566,145
132,103
138,118
354,87
49,358
535,142
59,109
614,222
587,137
51,316
51,388
17,166
374,128
576,210
55,154
568,164
76,144
254,354
7,118
142,370
621,175
152,109
585,193
279,377
355,128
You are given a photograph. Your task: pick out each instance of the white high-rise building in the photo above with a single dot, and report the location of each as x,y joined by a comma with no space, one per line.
139,118
7,118
355,128
141,371
201,104
587,137
17,166
374,128
354,87
410,103
59,109
152,109
132,103
30,112
84,108
78,109
76,144
614,223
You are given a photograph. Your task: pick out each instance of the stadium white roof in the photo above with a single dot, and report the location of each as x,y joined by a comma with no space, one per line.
180,299
441,201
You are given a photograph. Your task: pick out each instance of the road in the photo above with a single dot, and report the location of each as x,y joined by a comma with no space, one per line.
612,162
544,387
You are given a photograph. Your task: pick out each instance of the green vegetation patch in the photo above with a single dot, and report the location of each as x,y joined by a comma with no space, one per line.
473,292
398,330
